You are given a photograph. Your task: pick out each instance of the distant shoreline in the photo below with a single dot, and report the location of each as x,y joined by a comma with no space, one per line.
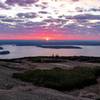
53,42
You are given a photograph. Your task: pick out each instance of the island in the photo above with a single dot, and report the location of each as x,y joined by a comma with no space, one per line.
60,46
4,52
1,48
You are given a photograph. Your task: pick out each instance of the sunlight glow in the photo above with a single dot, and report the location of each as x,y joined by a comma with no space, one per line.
47,38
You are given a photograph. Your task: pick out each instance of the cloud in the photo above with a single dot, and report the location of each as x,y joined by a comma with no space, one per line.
86,16
32,16
27,15
11,20
75,0
4,6
2,16
94,9
21,2
43,12
79,9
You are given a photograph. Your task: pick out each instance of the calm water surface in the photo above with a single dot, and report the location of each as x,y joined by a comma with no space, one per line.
27,51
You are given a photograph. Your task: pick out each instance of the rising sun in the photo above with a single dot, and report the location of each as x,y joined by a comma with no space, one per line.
47,38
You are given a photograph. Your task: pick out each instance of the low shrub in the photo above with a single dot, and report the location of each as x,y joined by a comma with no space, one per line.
60,79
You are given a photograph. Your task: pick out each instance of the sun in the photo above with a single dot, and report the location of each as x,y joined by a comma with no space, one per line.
47,38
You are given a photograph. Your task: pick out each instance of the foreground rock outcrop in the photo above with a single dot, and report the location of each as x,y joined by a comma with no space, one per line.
14,89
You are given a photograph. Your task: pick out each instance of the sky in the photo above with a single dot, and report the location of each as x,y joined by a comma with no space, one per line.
50,19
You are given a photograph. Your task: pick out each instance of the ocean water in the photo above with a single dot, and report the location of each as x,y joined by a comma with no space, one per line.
29,51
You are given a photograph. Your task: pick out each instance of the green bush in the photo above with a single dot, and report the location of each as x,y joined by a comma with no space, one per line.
96,71
59,79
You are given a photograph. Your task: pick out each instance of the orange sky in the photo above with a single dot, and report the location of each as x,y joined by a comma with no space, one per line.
49,36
